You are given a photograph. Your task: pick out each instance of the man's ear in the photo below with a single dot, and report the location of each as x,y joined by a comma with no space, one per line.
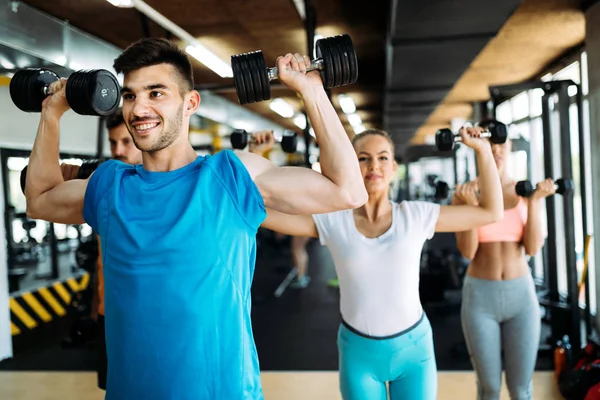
192,102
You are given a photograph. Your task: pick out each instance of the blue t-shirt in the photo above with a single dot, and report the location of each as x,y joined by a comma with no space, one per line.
179,251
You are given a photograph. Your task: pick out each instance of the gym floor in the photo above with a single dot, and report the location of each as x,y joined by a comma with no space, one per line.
294,333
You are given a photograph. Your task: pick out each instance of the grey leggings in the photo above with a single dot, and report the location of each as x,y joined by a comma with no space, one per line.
501,322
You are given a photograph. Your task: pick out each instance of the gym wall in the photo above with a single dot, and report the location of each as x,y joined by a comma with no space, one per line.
18,129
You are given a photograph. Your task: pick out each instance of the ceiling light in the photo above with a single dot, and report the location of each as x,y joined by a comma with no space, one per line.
7,64
300,121
347,104
282,108
193,48
241,124
61,60
354,120
359,129
207,58
121,3
300,8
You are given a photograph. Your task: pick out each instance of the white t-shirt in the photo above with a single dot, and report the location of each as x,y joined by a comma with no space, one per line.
379,277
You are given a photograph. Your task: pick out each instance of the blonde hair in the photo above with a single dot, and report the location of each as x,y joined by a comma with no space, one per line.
371,132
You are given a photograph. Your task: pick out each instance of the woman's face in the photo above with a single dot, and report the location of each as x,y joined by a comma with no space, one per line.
377,163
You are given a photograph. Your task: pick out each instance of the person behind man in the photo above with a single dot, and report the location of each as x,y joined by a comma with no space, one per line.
178,232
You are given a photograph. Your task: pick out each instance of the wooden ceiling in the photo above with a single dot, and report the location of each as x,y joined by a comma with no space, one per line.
539,32
238,26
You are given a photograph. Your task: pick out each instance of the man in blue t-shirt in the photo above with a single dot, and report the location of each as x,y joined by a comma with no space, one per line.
178,231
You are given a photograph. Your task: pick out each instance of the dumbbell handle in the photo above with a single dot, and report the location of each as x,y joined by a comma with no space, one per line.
484,134
252,139
314,65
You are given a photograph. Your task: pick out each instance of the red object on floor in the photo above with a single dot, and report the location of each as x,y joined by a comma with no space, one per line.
593,393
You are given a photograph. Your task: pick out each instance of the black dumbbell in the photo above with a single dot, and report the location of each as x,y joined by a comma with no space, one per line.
561,186
89,92
445,138
336,60
442,190
240,139
85,170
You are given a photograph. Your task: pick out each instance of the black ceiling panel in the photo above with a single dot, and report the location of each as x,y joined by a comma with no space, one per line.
439,18
431,44
433,64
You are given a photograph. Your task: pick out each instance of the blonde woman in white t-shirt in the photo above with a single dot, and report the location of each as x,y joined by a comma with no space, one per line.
385,336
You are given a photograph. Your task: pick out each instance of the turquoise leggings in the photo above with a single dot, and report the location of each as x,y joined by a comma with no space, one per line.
405,361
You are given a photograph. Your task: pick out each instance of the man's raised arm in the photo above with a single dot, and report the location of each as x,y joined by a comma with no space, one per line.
48,196
294,190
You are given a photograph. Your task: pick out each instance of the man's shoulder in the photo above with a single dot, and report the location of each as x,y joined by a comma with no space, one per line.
115,165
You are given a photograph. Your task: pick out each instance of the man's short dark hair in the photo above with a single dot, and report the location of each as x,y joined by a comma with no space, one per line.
153,51
115,119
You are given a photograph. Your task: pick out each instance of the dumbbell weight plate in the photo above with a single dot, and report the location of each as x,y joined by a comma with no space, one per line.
76,92
444,139
352,61
245,68
564,186
238,78
93,92
26,88
255,78
289,142
239,139
327,71
441,190
261,69
106,92
524,188
500,133
330,46
343,52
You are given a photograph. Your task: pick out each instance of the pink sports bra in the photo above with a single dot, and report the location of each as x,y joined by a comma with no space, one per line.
508,229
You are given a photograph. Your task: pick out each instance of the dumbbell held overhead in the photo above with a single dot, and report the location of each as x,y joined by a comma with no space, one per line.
336,61
89,92
496,132
561,186
240,139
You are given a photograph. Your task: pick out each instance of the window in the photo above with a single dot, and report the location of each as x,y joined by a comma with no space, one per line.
520,106
523,114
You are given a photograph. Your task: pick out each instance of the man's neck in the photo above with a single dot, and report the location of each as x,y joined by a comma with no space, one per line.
170,158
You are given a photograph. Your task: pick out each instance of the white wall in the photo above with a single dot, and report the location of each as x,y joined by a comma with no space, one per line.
5,334
18,128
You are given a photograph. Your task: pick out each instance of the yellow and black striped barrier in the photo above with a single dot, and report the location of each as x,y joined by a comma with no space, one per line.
31,309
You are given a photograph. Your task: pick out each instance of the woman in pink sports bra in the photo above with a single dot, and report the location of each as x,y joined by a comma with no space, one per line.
500,311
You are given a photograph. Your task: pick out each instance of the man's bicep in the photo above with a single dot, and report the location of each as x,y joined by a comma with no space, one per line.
255,164
62,204
294,190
